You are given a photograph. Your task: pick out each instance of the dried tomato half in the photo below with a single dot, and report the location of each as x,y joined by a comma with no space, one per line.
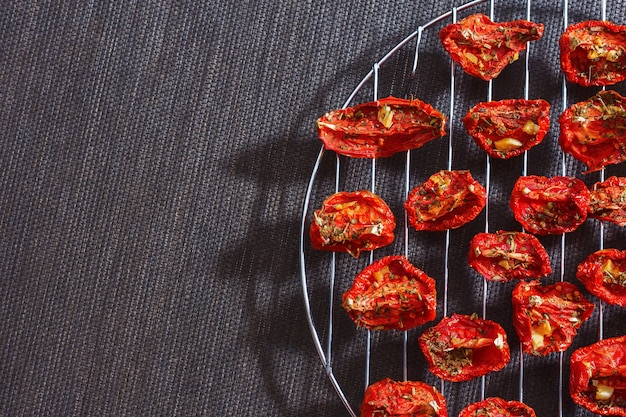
608,201
504,256
352,222
402,399
551,205
597,378
593,52
594,131
446,200
391,293
603,273
497,407
460,347
547,318
484,48
380,128
507,128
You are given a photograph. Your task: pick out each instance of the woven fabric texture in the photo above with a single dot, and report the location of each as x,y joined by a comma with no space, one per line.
154,161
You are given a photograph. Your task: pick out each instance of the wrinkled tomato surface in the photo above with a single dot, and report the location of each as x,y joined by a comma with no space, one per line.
507,128
381,128
497,407
446,200
547,318
603,273
389,294
504,256
484,48
402,399
461,347
598,377
593,52
549,205
594,131
608,201
352,222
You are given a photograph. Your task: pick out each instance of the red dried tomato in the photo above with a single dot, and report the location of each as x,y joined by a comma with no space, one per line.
593,53
507,128
446,200
594,131
352,222
391,293
497,407
552,205
503,256
460,347
597,378
484,48
381,128
603,273
608,201
403,399
546,319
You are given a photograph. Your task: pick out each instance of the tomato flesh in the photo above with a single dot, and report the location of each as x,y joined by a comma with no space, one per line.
507,128
603,273
381,128
446,200
598,377
460,347
504,256
593,53
497,407
608,201
389,294
402,399
547,318
483,48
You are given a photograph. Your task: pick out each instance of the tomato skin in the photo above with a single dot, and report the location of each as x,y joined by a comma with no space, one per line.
603,273
380,128
549,205
402,399
461,347
484,48
546,318
497,407
352,222
608,201
504,256
605,363
446,200
592,53
391,293
507,128
594,130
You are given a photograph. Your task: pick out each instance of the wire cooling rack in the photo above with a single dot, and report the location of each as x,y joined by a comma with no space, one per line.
417,66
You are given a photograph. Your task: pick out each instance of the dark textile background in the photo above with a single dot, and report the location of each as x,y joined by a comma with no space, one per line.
154,160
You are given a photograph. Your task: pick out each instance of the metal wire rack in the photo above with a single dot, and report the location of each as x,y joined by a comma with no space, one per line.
324,336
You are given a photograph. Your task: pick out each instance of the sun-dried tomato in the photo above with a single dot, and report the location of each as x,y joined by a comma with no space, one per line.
549,205
594,131
597,378
547,318
497,407
593,52
608,201
484,48
352,222
446,200
391,293
507,128
460,347
380,128
603,273
402,399
504,256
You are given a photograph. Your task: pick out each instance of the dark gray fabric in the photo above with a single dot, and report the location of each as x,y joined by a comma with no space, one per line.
154,160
